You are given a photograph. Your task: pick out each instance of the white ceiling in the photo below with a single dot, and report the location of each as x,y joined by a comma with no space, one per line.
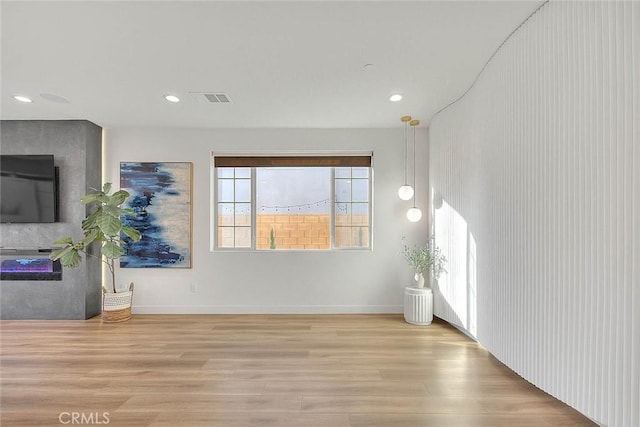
283,64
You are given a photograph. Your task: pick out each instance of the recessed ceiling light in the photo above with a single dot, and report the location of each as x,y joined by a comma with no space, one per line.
172,98
395,97
54,98
22,98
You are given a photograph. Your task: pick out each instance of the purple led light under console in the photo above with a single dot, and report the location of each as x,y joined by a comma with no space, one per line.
27,265
31,266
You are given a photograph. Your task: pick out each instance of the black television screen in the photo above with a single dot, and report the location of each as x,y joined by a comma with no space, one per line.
27,188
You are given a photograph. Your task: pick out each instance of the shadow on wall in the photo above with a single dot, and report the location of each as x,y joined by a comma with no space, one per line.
455,296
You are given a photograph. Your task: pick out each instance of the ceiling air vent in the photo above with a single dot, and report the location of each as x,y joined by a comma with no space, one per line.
217,97
210,97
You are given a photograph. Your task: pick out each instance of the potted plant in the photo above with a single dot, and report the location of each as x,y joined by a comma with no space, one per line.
424,259
104,225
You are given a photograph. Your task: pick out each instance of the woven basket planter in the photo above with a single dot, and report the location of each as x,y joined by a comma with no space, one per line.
117,307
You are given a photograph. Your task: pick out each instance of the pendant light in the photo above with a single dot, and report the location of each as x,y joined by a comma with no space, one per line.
406,191
414,214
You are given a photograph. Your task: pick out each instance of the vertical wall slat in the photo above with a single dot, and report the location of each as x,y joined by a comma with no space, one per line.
538,167
634,396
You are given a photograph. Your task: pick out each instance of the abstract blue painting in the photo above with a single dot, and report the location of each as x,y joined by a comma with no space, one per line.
161,199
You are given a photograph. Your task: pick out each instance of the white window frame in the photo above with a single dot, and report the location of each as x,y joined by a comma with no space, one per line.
214,204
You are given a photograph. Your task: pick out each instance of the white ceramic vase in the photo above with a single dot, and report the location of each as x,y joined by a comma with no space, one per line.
419,278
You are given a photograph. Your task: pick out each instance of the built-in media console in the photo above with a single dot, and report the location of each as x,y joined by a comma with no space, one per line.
28,264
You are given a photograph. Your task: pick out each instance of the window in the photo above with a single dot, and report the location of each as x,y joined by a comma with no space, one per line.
294,203
234,207
351,206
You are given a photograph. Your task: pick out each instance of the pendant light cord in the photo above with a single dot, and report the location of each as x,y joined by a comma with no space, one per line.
406,120
414,166
406,153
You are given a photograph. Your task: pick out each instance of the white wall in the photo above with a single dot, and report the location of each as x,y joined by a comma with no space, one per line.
536,173
276,281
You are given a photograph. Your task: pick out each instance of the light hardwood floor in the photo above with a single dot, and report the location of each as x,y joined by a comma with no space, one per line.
262,370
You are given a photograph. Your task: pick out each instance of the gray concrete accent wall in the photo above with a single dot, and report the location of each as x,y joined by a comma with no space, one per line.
77,149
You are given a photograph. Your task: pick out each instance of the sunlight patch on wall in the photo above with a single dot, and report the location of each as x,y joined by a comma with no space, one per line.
451,236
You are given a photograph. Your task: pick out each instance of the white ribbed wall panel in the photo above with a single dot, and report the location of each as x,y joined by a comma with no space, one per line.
536,180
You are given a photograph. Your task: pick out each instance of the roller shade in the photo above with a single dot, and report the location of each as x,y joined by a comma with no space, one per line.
288,161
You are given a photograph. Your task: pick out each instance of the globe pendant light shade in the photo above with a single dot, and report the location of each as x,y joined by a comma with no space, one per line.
405,192
414,214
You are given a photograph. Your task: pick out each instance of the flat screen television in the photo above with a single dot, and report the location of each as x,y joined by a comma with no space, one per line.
28,189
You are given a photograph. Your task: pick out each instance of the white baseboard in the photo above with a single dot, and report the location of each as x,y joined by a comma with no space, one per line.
288,309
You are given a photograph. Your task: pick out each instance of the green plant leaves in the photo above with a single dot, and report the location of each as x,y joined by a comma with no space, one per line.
104,225
89,198
56,254
112,210
112,250
131,233
118,198
109,225
64,241
70,259
90,222
89,237
69,256
426,258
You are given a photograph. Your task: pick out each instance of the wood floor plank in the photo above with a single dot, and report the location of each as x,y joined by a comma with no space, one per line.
341,387
201,402
55,418
306,375
138,386
392,404
448,420
249,419
263,370
266,365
